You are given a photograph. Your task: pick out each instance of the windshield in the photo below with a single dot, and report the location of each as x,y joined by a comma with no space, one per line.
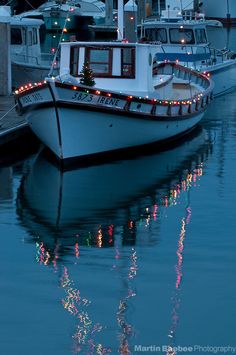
181,36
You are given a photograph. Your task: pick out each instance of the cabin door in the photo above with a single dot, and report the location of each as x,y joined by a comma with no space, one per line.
33,47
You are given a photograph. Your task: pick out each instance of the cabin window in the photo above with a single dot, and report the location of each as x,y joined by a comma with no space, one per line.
200,35
156,35
181,36
128,62
30,38
16,37
74,61
100,60
35,40
24,41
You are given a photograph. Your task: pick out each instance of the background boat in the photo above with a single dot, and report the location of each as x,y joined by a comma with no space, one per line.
183,37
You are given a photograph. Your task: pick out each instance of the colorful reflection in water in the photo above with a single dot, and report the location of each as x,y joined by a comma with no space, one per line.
78,306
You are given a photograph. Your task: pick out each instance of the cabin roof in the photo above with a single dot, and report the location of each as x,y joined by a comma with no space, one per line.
20,21
106,44
186,24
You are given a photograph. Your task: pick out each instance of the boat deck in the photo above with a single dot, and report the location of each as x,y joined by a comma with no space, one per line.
173,89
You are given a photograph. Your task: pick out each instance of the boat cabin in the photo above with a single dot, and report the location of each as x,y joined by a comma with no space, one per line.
175,33
25,40
183,40
115,65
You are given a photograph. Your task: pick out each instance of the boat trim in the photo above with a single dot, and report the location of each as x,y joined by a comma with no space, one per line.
192,105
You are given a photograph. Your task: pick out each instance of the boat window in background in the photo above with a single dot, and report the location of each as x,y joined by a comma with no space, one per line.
181,35
35,41
30,39
158,34
200,35
16,37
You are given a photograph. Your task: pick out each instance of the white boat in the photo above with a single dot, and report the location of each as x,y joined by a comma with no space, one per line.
182,37
224,11
129,107
28,62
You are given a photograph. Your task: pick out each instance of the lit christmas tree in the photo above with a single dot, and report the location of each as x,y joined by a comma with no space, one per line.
86,75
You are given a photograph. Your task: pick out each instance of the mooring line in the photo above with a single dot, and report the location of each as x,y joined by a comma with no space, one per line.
8,112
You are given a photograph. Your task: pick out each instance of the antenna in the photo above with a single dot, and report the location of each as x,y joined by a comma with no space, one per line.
120,29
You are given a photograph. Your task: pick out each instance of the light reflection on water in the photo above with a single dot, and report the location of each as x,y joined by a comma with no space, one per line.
120,207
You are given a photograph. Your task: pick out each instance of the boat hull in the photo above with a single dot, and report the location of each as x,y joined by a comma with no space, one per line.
112,132
224,77
76,121
71,130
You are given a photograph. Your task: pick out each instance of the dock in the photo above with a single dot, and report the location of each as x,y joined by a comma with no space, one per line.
17,141
12,126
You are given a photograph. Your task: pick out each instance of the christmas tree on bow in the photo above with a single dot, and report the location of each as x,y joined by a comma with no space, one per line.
87,75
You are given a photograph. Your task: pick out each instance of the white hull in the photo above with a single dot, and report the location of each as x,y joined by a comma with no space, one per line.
85,132
224,77
76,132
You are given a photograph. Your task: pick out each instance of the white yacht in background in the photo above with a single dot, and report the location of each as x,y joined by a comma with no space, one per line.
182,36
29,64
223,10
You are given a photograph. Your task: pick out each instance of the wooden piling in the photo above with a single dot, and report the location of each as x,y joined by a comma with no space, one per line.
130,21
5,60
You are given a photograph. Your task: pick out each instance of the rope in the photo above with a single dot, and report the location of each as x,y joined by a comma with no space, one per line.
29,4
8,2
8,112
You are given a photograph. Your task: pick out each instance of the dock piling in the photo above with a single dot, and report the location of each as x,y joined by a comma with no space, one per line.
5,59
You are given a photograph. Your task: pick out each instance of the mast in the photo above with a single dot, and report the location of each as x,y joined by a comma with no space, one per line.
109,12
120,29
195,5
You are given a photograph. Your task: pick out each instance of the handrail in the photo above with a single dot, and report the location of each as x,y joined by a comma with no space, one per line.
220,53
177,69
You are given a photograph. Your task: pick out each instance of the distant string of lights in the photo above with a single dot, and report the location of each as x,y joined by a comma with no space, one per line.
129,98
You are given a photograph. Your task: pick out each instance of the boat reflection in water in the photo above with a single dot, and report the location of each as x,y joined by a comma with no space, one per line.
106,205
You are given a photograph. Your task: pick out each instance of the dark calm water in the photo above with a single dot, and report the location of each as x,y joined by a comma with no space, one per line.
134,253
